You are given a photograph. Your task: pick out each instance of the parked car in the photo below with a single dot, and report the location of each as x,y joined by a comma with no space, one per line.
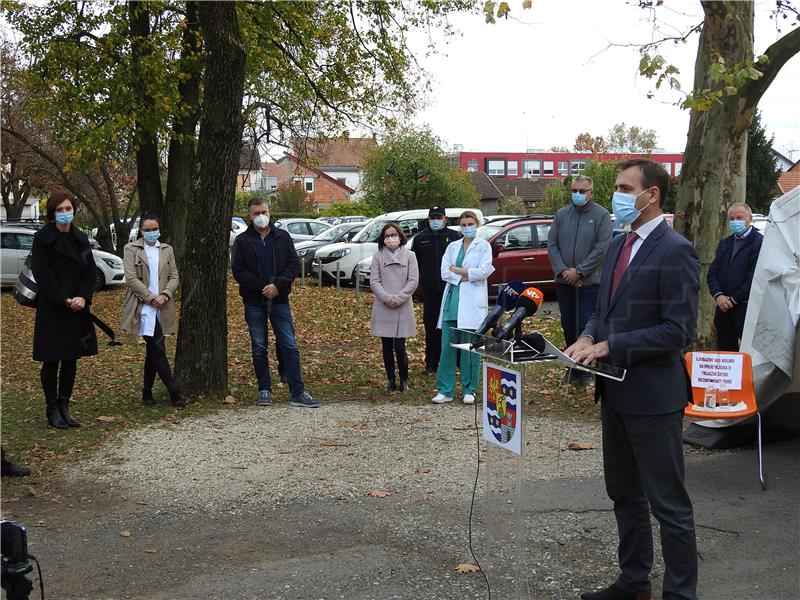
329,220
16,243
352,219
302,229
365,243
306,249
238,226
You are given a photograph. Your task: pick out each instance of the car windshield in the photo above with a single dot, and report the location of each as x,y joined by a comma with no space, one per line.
371,231
487,231
333,233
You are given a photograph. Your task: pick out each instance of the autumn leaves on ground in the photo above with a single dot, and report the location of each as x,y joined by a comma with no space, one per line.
340,361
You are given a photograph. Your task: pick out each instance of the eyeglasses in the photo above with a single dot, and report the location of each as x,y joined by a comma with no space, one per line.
392,237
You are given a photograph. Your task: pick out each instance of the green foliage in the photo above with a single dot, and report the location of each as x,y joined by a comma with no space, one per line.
410,170
243,199
603,174
725,82
621,138
586,142
762,172
343,209
556,195
292,198
512,205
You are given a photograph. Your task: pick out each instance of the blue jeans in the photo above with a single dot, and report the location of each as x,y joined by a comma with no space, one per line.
573,308
280,317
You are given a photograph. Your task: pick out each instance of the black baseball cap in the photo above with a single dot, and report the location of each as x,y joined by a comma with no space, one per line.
436,212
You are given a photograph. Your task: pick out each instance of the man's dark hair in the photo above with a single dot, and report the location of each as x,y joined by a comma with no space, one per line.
57,198
398,229
257,200
652,175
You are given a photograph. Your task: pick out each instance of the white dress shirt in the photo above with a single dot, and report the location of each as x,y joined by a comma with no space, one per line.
643,232
147,320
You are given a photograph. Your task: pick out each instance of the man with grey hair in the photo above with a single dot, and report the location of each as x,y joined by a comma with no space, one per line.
731,275
577,245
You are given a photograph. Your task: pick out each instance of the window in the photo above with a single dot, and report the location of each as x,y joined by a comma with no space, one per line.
272,183
472,165
667,167
9,240
678,168
548,168
512,168
297,228
411,226
576,166
317,228
542,231
309,184
562,167
495,166
532,167
518,238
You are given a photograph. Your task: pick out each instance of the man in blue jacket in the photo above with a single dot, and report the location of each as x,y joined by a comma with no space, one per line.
731,275
646,313
265,264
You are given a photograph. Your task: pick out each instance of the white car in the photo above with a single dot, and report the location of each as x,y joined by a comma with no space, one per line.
16,244
238,227
347,255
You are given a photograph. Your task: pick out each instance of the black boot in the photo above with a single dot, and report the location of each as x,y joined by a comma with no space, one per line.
54,418
404,385
9,469
176,398
147,397
63,406
391,386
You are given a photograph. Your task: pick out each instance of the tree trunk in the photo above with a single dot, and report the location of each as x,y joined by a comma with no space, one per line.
15,190
713,173
148,174
181,159
201,362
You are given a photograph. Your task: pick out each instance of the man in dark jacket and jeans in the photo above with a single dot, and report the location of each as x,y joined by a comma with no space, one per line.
730,275
265,264
429,246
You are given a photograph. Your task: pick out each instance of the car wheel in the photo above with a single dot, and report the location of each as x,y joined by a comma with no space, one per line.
99,279
354,277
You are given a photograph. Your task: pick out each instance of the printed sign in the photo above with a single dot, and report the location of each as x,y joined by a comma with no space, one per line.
711,370
502,406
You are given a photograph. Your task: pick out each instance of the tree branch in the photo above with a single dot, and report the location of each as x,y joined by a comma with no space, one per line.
779,54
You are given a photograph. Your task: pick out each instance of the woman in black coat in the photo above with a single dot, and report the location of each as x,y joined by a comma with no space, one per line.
63,266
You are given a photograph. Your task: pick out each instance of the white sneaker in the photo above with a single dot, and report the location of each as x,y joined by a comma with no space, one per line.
441,398
469,398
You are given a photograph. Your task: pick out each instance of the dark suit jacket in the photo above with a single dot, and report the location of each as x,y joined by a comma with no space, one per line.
734,277
649,321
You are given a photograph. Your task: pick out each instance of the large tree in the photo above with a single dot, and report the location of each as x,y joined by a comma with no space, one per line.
762,169
410,170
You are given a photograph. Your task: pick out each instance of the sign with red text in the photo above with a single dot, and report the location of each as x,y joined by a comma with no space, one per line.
710,370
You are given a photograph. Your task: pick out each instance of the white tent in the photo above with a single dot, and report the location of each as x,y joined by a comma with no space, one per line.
771,334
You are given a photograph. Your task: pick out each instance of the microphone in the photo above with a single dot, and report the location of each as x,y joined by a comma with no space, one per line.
528,303
506,301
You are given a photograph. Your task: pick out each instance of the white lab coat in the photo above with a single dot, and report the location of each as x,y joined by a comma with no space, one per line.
473,301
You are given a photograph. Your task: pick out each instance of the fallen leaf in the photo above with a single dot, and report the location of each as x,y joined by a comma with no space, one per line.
125,533
229,400
151,551
581,446
353,424
107,418
466,568
379,493
423,470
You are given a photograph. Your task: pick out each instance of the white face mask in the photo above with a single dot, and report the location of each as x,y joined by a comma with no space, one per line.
261,221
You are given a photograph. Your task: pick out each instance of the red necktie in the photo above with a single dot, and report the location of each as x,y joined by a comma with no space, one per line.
623,260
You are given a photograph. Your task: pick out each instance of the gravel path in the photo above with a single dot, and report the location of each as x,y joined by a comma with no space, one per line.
238,459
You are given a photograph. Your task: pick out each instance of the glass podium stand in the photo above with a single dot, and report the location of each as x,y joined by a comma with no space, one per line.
504,528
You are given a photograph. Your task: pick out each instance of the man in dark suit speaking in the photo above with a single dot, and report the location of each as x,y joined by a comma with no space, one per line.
646,313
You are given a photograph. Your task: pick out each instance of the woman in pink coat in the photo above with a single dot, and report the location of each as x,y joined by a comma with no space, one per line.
393,279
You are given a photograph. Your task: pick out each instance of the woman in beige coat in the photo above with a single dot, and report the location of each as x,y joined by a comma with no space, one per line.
149,308
393,279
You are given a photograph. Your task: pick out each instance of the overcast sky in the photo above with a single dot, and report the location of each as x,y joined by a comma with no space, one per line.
540,82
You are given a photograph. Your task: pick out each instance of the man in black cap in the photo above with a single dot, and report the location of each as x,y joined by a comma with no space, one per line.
429,246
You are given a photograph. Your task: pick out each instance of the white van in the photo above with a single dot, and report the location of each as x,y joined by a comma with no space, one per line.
347,255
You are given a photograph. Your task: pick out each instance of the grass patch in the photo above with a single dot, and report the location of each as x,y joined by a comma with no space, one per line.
340,361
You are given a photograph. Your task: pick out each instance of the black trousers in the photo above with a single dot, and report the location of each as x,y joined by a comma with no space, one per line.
392,347
431,305
57,385
729,326
644,471
156,361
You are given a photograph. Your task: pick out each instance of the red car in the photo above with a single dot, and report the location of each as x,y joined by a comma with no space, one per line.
519,251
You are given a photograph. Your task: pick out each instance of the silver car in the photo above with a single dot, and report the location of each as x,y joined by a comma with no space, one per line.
302,229
16,243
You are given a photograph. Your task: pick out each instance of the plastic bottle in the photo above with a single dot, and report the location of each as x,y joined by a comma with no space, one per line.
722,397
710,398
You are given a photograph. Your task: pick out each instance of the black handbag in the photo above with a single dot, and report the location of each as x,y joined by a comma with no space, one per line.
25,288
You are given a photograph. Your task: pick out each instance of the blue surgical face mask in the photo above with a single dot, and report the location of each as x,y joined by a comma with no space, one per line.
469,231
65,218
579,199
624,207
151,237
436,224
737,227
